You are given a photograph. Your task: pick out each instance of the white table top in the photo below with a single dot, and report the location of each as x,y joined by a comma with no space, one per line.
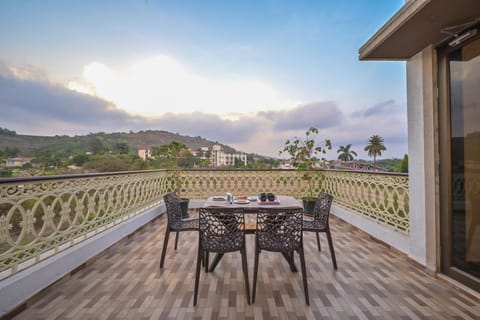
281,202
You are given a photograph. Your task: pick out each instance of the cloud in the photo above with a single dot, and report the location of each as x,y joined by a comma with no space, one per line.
161,84
384,107
40,107
35,106
209,126
317,114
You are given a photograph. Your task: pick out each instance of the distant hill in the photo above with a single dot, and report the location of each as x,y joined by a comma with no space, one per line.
27,144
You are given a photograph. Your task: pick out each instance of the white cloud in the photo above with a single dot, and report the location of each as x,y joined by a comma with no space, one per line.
30,104
161,84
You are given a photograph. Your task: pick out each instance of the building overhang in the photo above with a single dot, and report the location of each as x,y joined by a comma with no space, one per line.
418,24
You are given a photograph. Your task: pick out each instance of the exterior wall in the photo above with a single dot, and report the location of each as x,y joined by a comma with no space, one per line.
422,106
387,235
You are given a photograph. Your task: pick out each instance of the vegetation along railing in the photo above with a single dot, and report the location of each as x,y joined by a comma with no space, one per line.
42,216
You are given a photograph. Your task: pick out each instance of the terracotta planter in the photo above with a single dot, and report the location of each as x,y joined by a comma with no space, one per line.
308,206
184,206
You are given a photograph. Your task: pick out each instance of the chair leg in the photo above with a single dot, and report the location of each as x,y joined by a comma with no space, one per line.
304,274
197,275
255,271
176,240
332,251
318,242
245,273
206,261
165,244
215,261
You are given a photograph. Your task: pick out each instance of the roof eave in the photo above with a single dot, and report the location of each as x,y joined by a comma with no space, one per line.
409,9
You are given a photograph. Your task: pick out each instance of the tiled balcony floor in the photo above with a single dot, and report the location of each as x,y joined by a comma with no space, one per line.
372,282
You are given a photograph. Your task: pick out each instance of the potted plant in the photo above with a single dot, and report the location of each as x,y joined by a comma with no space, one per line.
172,154
304,155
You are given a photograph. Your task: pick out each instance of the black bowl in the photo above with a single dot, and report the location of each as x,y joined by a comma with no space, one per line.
263,196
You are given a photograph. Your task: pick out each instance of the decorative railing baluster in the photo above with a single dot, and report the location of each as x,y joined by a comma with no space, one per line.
41,216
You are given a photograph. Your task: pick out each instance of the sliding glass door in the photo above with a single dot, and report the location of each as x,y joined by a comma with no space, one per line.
460,154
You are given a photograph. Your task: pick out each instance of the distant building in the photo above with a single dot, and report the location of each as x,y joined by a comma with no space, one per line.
204,151
353,165
286,164
145,153
219,158
193,152
17,162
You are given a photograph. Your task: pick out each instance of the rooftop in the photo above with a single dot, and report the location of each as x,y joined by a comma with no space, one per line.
372,281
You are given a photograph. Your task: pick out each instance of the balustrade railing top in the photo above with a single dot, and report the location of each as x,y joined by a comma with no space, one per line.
41,216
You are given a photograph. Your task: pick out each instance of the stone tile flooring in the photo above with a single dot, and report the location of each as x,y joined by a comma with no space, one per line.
372,282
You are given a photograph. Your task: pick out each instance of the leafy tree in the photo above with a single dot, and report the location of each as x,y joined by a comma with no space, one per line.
80,159
404,164
107,163
375,147
121,148
262,162
173,154
6,132
5,172
303,152
96,146
345,153
27,165
11,152
204,163
139,164
49,158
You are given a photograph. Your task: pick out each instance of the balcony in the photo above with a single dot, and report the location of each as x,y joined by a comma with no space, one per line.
98,239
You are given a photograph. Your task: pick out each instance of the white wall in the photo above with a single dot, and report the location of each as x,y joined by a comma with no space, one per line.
377,230
421,109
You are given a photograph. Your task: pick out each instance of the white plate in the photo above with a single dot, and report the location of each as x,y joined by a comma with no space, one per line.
252,198
241,201
218,198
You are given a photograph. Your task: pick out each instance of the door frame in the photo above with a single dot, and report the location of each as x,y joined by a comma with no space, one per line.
444,169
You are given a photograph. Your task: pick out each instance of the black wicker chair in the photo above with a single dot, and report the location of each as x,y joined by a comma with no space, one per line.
320,222
221,231
280,230
175,222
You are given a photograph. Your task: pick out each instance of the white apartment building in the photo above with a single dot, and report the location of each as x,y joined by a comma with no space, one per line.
219,158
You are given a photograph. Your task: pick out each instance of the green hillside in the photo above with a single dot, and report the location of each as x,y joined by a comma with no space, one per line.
28,144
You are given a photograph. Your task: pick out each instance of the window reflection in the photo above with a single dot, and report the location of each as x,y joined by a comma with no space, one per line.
465,148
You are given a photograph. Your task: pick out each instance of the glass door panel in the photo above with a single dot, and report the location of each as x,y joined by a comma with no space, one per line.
464,65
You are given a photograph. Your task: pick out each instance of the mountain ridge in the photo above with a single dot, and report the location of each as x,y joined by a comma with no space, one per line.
27,144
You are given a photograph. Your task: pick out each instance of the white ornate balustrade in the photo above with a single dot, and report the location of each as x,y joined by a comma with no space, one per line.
382,197
42,216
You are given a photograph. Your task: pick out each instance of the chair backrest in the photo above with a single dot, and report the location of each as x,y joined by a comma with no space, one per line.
174,212
222,229
279,229
321,212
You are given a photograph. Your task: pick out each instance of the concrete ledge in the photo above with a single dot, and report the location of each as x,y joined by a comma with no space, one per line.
18,288
377,230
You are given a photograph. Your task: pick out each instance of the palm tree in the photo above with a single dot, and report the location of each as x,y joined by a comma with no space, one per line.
375,147
345,153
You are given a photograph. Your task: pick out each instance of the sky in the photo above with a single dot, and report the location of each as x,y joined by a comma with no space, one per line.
250,74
